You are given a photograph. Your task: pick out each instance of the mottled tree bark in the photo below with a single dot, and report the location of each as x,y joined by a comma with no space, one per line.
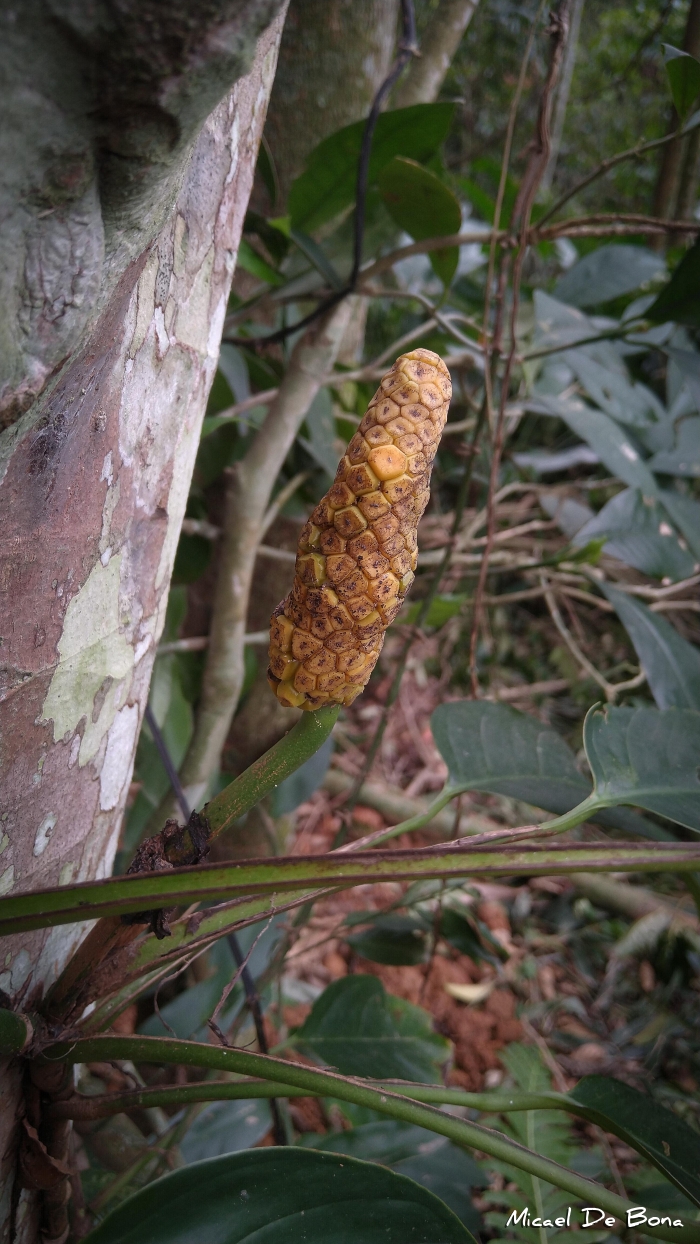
127,171
666,190
333,56
425,75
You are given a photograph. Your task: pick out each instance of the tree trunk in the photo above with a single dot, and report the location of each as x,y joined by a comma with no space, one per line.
333,56
425,75
669,172
562,101
123,214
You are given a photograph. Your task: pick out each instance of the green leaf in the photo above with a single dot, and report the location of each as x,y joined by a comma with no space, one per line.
646,757
317,257
252,262
226,1127
608,272
386,1141
468,935
684,458
301,784
638,533
679,300
391,939
192,559
323,443
450,1174
327,185
685,513
412,1151
356,1027
671,664
441,609
422,205
282,1195
684,78
608,440
494,748
611,389
646,1125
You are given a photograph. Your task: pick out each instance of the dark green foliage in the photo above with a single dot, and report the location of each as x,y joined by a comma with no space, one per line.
287,1194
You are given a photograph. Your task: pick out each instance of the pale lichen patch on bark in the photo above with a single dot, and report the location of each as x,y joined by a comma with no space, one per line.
91,645
116,766
43,833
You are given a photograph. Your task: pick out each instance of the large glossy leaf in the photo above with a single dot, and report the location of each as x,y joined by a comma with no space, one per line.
607,273
680,299
647,1126
684,458
608,440
361,1030
421,204
327,185
647,757
493,747
226,1127
671,664
639,534
683,72
431,1160
281,1196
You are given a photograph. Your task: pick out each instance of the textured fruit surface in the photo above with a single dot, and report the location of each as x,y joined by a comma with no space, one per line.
358,551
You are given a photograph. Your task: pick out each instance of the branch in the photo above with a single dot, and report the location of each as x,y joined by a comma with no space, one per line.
271,878
329,1084
440,41
631,153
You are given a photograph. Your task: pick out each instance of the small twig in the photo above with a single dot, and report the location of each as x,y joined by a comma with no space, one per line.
242,967
612,690
199,642
522,211
283,496
631,153
256,399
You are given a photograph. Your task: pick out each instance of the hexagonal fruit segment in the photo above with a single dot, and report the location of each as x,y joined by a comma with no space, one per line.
374,506
349,521
288,696
330,682
377,435
281,630
387,462
283,667
339,566
352,585
398,489
322,663
362,479
304,645
311,569
358,449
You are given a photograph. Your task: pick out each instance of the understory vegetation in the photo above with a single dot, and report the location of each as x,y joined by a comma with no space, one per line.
497,1013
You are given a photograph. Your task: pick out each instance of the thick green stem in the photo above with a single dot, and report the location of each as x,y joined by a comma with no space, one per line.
101,1107
329,1084
274,878
302,741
